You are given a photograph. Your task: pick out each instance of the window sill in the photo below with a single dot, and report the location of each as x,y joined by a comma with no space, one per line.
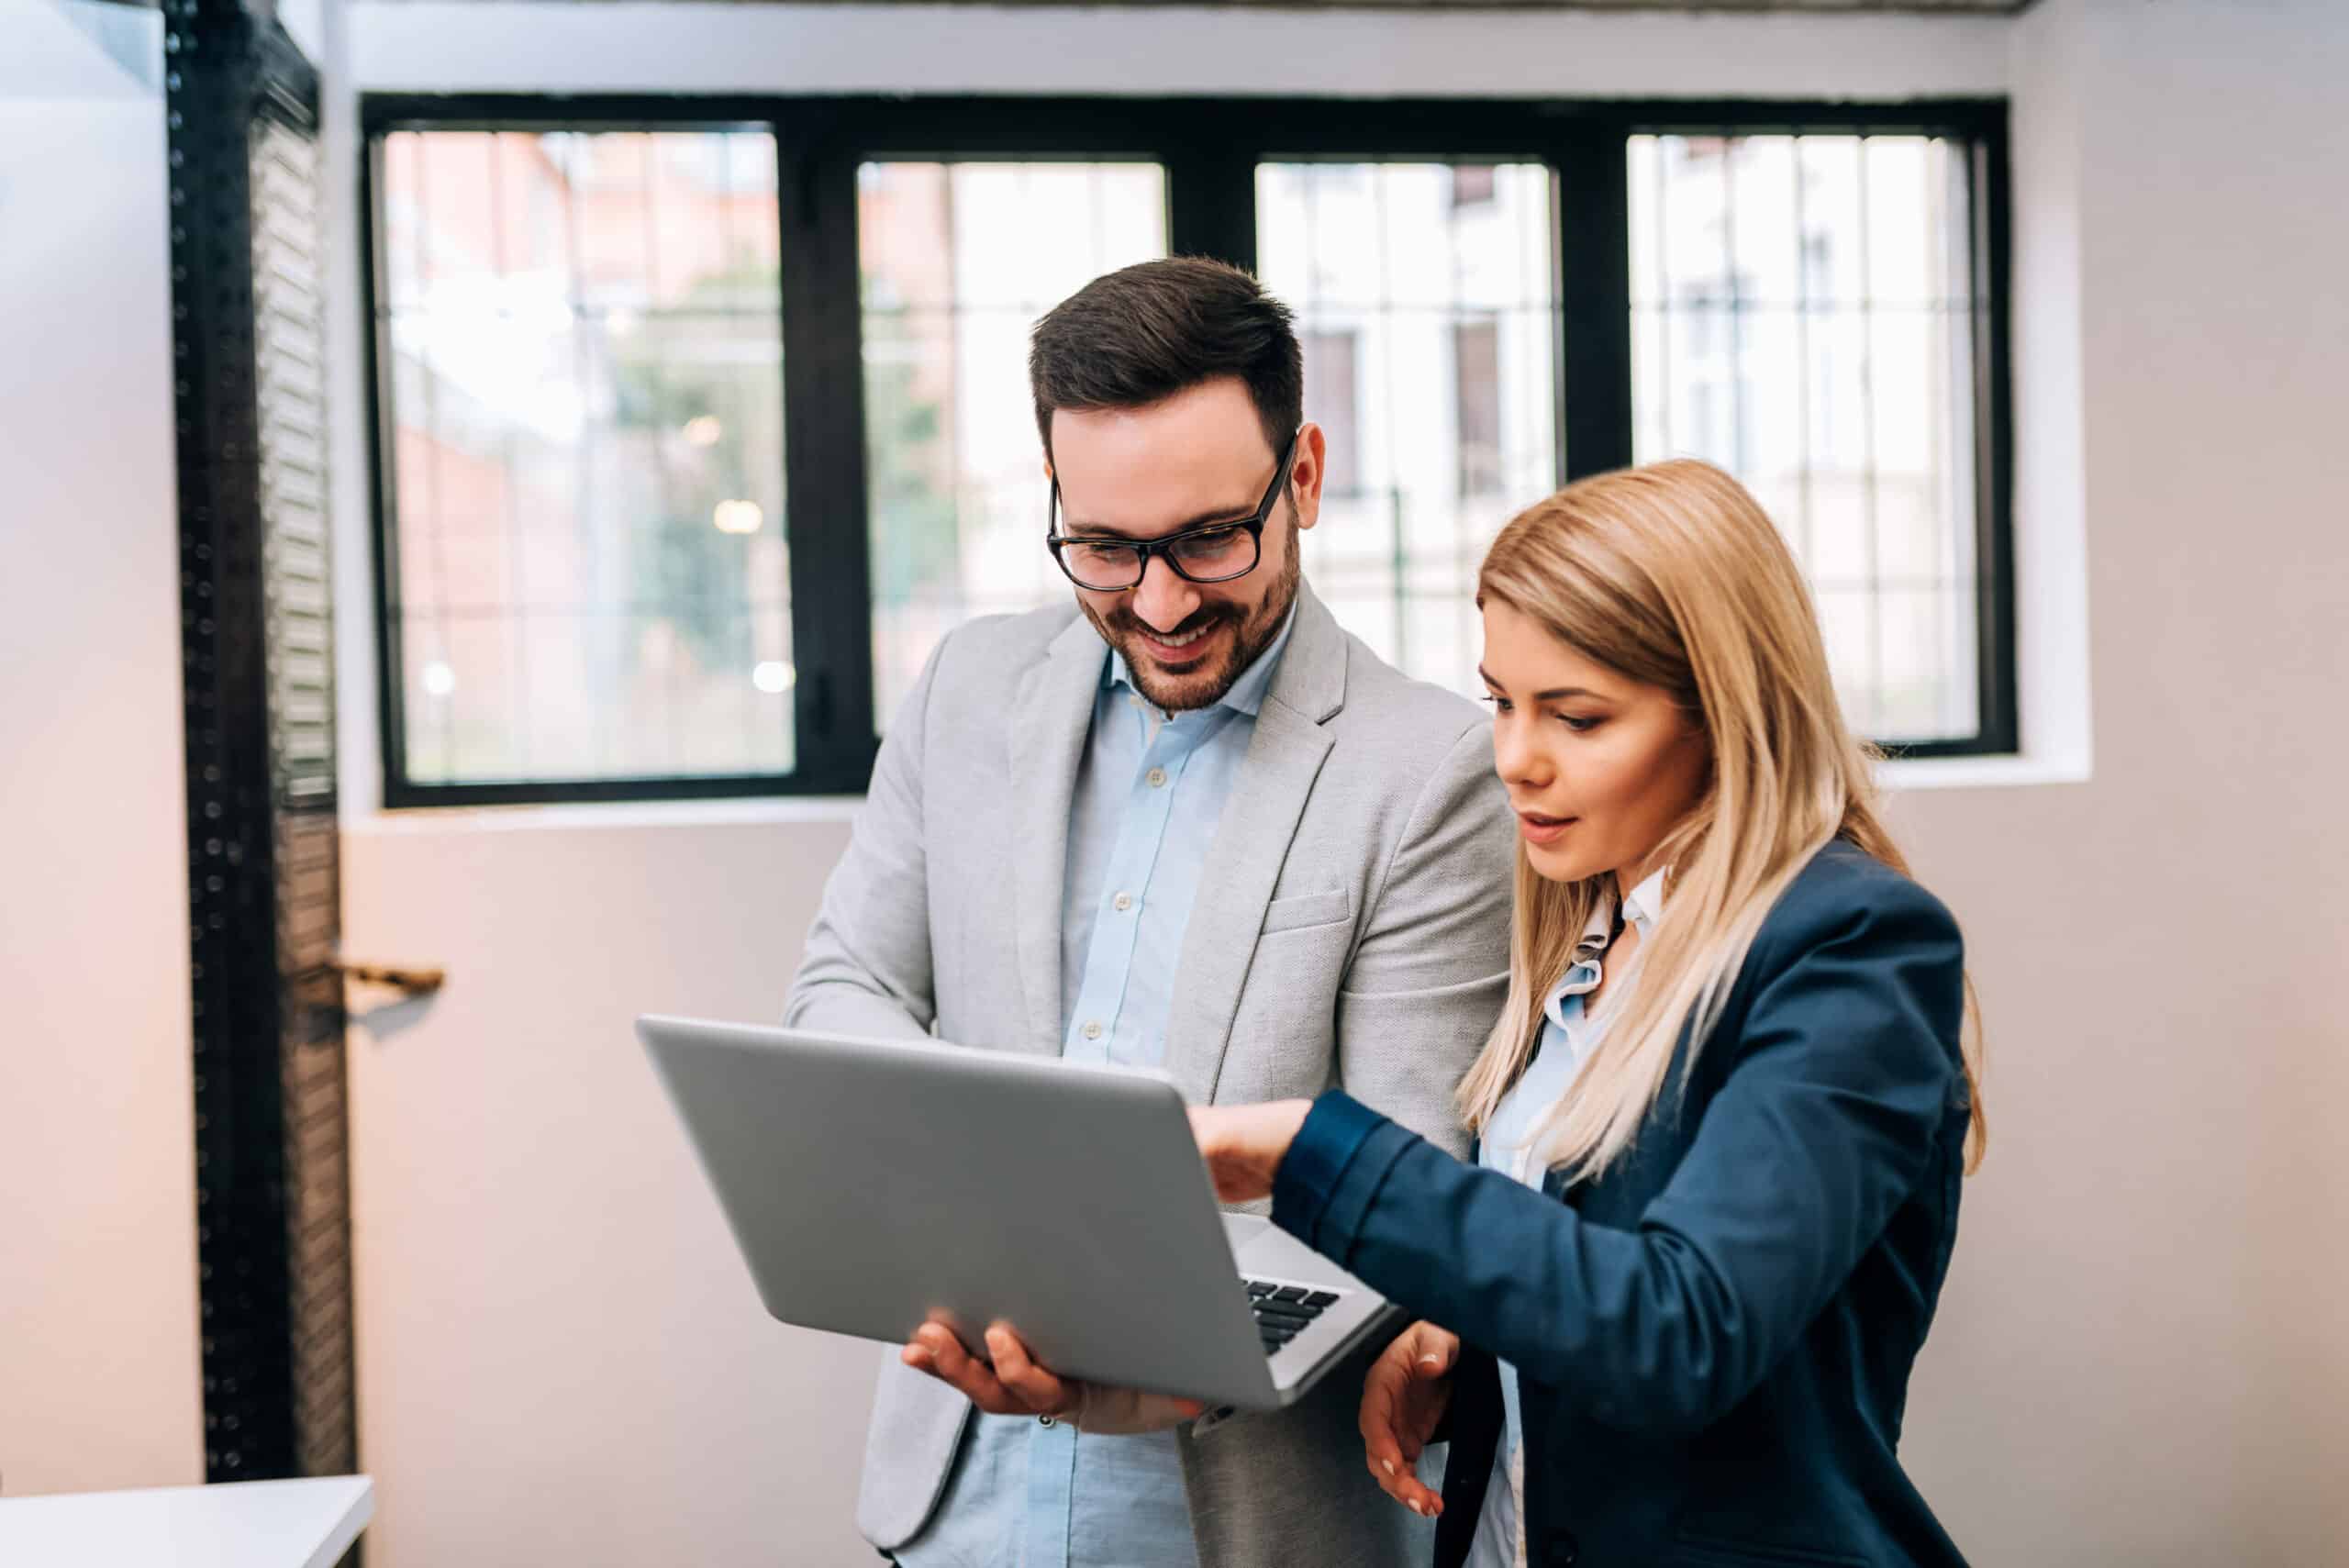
1981,773
775,811
1897,777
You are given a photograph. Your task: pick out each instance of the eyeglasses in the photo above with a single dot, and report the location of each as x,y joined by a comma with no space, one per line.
1212,552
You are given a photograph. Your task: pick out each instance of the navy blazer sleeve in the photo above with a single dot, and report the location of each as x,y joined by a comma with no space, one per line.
1845,1069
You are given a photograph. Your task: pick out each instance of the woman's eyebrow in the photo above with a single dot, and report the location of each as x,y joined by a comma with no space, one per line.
1551,696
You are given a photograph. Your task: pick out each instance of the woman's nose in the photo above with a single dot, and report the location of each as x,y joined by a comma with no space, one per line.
1516,758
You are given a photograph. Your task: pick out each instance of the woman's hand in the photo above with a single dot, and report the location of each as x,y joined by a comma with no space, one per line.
1242,1145
1017,1384
1402,1399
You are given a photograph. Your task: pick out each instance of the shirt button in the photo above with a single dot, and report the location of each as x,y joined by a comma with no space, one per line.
1093,1031
1157,777
1123,902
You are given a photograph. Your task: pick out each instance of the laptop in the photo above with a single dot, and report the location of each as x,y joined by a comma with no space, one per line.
872,1184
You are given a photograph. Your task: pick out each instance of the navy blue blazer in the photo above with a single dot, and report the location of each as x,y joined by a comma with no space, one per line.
1713,1340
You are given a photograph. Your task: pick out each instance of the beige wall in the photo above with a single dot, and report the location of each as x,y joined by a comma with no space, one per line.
98,1371
2144,1352
560,1357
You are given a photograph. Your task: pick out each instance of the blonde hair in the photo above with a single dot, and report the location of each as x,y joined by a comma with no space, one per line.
1671,576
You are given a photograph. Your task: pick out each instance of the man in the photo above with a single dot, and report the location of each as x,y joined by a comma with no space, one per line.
1192,824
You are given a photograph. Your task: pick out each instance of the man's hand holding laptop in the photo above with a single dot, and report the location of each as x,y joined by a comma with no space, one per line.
1016,1385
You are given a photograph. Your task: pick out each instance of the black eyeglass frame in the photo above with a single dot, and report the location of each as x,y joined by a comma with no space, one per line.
1163,548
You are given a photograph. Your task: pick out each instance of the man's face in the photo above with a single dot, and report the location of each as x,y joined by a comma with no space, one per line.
1141,474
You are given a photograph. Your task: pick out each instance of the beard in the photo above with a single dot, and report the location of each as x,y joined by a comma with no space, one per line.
1204,687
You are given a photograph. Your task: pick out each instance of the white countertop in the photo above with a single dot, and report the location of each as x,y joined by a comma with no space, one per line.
245,1524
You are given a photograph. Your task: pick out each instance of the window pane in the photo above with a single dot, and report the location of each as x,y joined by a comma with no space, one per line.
585,382
1802,316
959,260
1426,298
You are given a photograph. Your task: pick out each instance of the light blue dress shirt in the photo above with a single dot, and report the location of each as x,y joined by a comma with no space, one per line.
1568,1037
1150,790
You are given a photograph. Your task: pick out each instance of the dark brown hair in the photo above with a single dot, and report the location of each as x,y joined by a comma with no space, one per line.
1139,336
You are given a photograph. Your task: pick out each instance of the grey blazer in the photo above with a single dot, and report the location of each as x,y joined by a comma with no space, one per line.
1351,928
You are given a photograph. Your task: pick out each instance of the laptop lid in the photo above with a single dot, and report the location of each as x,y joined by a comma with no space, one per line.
869,1184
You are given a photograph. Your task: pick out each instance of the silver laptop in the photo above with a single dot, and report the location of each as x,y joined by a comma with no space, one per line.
872,1184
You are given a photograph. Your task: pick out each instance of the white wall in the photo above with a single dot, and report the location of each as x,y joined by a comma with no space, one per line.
560,1358
2144,1353
505,46
99,1384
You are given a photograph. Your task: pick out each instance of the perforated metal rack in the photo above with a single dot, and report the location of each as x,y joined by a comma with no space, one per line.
273,1211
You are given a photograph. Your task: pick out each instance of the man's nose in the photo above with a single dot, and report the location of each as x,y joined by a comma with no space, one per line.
1162,599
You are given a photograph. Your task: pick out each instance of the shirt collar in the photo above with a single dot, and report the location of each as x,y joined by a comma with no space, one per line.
1597,930
1641,909
1247,693
1645,904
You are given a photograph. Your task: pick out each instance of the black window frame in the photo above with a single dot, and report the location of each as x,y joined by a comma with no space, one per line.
1210,148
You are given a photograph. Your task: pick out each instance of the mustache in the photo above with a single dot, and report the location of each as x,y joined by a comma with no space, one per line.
1127,621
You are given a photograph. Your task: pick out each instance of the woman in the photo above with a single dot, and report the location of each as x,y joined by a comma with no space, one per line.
1669,1311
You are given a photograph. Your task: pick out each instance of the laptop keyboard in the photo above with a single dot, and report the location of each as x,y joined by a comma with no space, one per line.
1283,1310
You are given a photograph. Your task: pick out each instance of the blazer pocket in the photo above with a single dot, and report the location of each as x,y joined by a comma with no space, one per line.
1308,909
1690,1549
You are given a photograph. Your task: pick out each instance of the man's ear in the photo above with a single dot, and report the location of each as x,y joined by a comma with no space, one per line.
1307,473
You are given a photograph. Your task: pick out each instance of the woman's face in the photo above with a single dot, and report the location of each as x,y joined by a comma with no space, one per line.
1598,767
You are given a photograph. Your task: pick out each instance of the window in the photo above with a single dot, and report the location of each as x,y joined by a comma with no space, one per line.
1450,315
1803,316
1472,184
582,347
959,260
1476,387
1333,401
696,431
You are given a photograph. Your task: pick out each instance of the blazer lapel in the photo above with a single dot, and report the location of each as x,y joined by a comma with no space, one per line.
1252,840
1052,714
